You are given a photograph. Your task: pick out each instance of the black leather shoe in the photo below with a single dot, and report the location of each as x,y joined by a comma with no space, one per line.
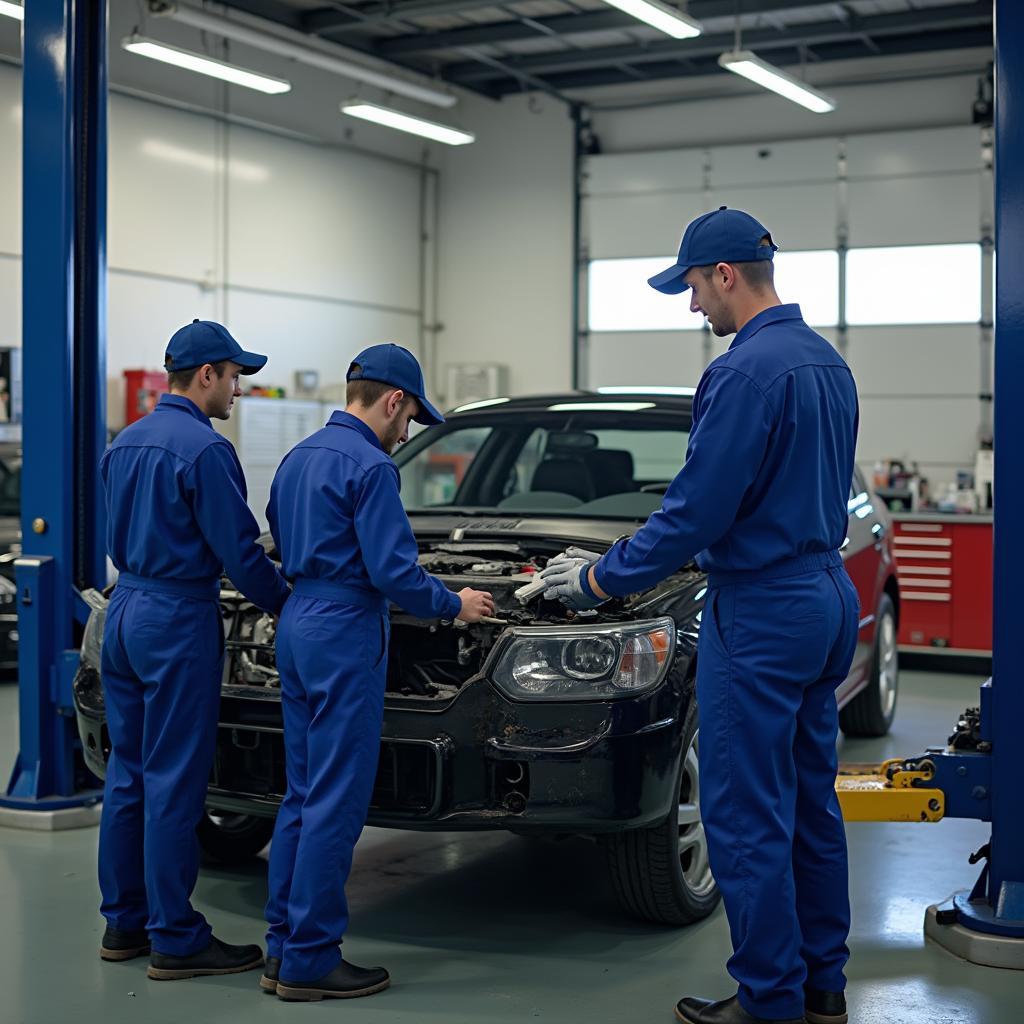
271,971
346,981
725,1011
118,945
217,958
824,1007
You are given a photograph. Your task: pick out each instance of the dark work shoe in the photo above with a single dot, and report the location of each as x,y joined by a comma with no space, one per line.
118,945
725,1011
271,970
824,1007
346,981
217,958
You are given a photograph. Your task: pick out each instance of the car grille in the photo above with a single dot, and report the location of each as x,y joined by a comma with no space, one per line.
252,763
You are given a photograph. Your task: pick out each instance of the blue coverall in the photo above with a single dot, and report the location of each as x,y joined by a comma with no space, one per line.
177,517
762,503
345,540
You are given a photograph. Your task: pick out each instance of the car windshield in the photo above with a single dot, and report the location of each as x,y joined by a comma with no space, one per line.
604,464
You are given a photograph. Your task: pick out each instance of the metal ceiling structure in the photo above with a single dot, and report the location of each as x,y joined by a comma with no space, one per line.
496,48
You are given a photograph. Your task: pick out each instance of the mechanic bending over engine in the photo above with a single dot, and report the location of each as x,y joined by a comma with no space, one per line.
176,519
344,538
762,503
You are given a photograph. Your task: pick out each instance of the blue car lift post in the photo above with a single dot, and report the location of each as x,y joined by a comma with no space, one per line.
977,774
64,428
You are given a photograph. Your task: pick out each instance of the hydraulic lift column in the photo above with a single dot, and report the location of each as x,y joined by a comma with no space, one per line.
64,430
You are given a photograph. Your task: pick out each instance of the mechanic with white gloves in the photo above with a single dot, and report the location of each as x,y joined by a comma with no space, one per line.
761,502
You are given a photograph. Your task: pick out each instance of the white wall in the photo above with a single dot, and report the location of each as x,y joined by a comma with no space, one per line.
307,252
505,263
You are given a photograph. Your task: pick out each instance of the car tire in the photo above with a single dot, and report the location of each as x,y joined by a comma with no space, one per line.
871,712
228,838
661,873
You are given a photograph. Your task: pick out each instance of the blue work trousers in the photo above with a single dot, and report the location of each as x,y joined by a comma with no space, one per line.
770,657
162,660
333,663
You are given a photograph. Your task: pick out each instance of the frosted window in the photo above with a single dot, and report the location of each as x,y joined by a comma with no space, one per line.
914,284
620,299
811,279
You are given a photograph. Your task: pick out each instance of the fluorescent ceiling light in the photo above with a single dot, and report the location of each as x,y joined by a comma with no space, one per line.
645,389
205,65
482,404
407,123
750,66
600,406
660,16
303,49
10,10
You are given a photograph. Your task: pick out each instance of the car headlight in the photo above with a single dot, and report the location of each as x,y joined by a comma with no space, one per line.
584,662
92,638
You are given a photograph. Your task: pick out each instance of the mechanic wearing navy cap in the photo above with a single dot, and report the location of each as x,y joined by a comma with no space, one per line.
762,503
344,538
177,519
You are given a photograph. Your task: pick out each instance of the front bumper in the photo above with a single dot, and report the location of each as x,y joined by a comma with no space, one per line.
479,762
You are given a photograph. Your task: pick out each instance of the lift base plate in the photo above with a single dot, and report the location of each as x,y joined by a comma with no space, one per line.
975,947
51,821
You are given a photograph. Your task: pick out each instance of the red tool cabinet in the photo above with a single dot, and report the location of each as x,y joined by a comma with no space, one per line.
944,564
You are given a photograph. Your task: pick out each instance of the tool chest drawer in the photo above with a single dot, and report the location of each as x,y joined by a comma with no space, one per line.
945,575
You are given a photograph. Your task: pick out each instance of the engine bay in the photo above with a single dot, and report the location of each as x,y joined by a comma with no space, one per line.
428,659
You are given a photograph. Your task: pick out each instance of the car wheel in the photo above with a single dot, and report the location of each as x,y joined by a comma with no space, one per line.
662,873
232,838
871,712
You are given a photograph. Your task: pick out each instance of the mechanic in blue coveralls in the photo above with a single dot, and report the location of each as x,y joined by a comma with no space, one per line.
177,519
762,503
345,540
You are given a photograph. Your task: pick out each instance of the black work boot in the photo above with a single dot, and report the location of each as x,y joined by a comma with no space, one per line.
271,971
118,945
346,981
824,1007
217,958
726,1011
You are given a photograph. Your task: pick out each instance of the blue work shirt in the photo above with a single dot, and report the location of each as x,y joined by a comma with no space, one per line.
336,516
176,505
768,467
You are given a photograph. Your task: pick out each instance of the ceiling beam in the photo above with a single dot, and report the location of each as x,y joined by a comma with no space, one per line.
959,17
585,21
324,21
850,49
273,10
329,21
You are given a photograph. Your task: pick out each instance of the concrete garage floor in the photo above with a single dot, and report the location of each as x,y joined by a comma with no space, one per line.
503,929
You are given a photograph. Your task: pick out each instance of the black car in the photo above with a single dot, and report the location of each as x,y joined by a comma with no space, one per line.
546,722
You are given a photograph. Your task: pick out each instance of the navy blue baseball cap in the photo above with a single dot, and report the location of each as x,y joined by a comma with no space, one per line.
722,236
397,366
203,341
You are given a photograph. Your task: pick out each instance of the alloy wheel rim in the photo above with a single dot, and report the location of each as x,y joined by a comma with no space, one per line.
887,664
693,843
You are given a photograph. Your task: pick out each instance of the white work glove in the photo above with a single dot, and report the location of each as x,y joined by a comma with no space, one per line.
564,578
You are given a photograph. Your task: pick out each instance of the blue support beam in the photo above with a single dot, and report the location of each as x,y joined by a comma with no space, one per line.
1006,864
991,915
64,304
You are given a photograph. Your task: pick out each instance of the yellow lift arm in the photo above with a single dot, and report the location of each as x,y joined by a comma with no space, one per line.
890,791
